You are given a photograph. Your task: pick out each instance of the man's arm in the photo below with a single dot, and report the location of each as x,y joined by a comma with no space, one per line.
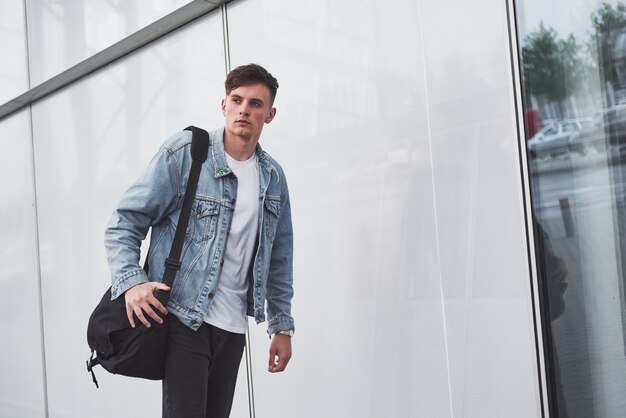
147,202
280,289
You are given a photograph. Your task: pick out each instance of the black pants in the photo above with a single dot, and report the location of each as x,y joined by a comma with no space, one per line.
201,371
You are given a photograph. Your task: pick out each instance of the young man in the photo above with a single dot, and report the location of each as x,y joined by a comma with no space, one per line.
237,253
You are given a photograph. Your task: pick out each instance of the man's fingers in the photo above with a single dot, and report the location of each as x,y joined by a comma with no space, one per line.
154,301
281,365
140,300
129,315
141,317
278,364
159,306
272,363
148,310
160,286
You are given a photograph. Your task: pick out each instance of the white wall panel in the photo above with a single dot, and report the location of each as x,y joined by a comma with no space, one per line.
355,142
13,72
92,140
63,33
479,210
351,133
21,369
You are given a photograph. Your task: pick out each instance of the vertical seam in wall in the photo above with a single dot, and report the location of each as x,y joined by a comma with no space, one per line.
224,11
432,175
248,347
36,221
527,206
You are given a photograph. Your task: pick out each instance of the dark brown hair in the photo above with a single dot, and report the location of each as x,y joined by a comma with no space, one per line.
251,74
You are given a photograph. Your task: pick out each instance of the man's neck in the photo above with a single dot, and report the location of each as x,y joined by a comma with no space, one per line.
239,148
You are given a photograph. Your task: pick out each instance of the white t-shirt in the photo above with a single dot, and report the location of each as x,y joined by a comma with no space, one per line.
228,310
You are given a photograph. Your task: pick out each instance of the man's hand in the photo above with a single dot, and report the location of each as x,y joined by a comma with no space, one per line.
280,353
140,298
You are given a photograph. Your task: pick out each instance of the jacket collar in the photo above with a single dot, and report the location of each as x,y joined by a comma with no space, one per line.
220,165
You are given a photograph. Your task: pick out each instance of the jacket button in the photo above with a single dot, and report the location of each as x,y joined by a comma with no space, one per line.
211,295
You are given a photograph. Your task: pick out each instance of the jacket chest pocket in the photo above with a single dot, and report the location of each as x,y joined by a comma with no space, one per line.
271,215
203,220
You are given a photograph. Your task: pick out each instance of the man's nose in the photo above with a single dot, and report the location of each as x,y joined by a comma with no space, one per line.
244,109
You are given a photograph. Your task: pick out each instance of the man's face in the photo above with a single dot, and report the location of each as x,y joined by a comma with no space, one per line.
246,109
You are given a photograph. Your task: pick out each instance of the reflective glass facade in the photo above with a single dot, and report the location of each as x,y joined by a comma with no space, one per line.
574,95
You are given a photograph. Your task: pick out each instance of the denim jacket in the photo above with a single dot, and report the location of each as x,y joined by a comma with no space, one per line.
155,200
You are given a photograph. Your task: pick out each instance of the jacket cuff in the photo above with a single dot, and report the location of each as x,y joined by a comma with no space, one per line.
128,280
284,323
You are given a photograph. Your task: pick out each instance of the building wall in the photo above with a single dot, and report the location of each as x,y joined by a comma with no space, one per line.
396,129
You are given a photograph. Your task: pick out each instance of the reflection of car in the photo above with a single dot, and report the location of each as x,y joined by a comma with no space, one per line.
607,134
554,137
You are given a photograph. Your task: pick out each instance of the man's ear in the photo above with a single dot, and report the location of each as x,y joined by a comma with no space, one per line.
224,107
271,115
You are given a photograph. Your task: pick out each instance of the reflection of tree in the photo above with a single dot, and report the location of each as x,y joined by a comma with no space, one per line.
550,65
607,21
557,69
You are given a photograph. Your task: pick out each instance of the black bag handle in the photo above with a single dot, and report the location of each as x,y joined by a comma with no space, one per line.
199,151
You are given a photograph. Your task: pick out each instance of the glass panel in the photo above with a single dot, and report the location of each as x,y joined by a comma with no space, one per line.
573,56
63,33
91,140
21,368
410,264
13,75
366,268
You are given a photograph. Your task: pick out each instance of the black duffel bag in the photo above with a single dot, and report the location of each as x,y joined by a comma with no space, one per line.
140,351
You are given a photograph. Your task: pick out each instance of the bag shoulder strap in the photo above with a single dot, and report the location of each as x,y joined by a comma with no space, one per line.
199,151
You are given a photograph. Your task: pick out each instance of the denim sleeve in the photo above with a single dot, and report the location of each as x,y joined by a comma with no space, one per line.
280,277
147,202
